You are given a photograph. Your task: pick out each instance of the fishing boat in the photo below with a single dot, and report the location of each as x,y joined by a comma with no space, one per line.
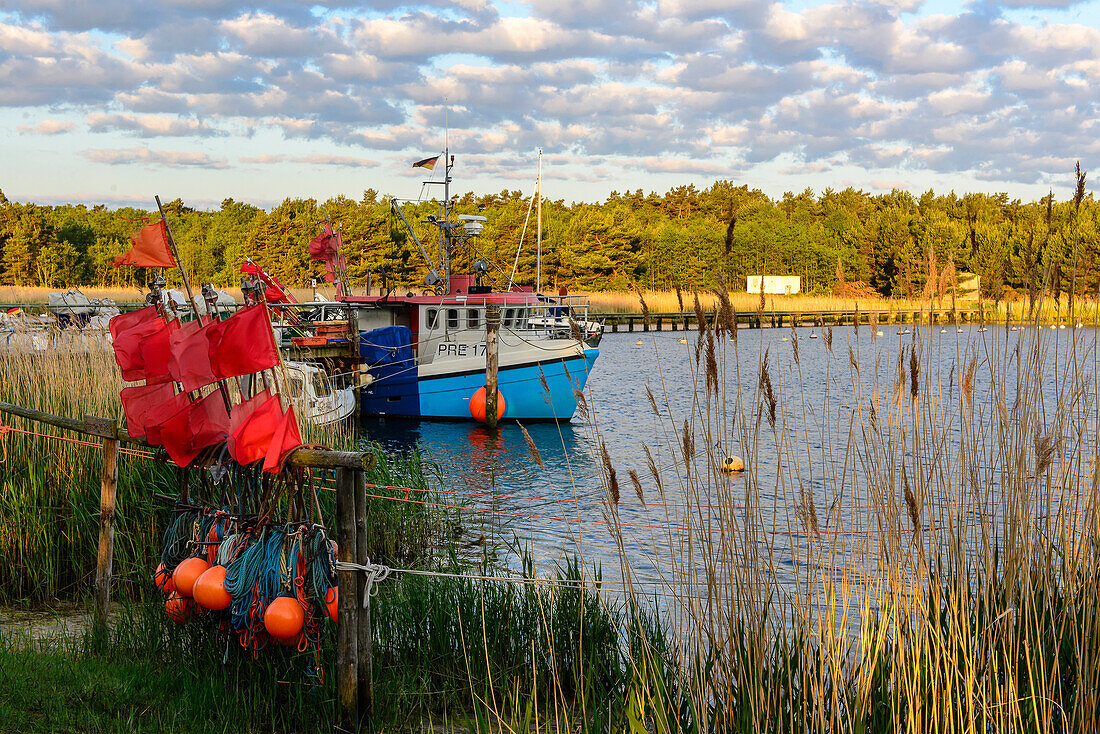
424,356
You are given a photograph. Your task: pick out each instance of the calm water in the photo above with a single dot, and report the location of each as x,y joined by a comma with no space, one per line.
559,508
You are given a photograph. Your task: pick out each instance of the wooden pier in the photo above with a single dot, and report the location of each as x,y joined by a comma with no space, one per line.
676,321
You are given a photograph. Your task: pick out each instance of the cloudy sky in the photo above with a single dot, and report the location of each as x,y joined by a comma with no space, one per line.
113,100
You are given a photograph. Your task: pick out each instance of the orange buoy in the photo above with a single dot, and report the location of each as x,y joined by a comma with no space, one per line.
163,580
210,591
187,573
332,603
178,608
284,618
477,405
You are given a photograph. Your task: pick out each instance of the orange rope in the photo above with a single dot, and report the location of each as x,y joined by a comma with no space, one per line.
79,442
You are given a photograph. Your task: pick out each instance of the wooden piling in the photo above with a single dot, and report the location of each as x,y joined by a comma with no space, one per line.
107,430
492,325
347,628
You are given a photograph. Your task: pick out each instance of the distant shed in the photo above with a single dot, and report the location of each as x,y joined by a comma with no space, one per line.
783,285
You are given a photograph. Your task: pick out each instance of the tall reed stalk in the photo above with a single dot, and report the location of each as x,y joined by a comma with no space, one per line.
918,558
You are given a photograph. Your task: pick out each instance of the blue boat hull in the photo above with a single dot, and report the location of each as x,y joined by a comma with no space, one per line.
448,396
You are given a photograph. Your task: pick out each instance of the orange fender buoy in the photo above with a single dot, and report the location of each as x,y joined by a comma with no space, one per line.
209,590
284,618
477,405
187,573
163,580
178,608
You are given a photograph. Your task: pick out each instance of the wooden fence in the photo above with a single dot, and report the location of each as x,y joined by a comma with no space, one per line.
353,635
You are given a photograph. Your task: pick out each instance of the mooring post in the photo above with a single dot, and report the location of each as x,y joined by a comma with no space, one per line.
492,325
347,628
107,430
365,643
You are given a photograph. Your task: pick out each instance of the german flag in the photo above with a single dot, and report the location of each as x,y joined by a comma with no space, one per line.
428,163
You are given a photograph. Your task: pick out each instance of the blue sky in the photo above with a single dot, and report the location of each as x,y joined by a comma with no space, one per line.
113,101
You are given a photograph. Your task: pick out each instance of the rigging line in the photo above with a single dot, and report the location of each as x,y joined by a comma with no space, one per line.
378,572
519,247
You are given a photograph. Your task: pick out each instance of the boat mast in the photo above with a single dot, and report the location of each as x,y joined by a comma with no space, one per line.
446,228
538,235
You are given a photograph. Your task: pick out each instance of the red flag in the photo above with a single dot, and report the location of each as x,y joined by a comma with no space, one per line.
243,343
275,292
130,319
155,352
189,360
252,427
201,424
285,440
161,414
127,347
141,403
149,248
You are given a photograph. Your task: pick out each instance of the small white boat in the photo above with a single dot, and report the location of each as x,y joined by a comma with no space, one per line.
313,395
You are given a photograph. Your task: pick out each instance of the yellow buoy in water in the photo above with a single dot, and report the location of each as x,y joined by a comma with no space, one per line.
639,343
733,464
682,340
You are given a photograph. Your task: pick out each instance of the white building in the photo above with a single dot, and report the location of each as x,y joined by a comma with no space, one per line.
783,285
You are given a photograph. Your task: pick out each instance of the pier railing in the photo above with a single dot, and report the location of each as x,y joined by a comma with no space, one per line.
677,320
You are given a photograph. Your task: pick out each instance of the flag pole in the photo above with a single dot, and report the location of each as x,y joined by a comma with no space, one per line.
211,312
176,255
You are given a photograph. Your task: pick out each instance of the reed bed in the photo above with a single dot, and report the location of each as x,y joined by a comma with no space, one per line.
941,573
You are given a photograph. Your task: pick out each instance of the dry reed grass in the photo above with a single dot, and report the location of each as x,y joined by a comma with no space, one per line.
952,582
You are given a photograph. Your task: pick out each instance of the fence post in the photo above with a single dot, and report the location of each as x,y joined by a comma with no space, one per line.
107,430
347,629
365,640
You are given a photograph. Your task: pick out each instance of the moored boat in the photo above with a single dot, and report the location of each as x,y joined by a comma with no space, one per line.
424,356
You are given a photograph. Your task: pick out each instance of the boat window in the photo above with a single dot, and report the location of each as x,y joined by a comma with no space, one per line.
294,385
521,318
433,316
452,318
473,318
509,317
320,385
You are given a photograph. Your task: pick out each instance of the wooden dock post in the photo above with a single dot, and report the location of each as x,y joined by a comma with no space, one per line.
107,430
492,324
347,628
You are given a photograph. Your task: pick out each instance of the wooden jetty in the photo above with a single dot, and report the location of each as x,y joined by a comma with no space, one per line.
675,321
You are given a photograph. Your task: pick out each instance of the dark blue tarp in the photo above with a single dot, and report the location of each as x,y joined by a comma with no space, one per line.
387,345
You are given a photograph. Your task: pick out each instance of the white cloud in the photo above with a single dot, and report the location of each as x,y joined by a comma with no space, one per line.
148,126
48,127
677,83
155,158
